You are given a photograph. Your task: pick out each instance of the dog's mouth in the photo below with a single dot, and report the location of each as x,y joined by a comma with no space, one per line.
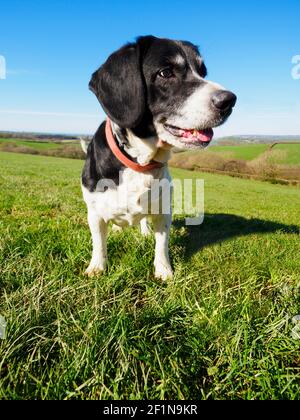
191,137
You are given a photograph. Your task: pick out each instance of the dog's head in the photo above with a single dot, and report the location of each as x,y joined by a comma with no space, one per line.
157,87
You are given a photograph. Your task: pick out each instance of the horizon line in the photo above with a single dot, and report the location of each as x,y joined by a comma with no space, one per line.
60,133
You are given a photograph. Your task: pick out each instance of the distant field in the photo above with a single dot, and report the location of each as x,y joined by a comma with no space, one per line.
293,153
37,145
290,152
281,163
67,148
247,152
222,329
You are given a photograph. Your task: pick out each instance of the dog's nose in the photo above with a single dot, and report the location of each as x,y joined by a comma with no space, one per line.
224,100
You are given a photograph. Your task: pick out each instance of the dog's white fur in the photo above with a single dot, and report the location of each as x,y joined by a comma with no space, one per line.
124,207
195,112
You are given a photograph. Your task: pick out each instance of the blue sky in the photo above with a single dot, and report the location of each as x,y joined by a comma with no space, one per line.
52,47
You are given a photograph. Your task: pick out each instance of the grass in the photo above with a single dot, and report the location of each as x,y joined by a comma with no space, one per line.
281,164
66,148
35,145
220,330
290,152
247,152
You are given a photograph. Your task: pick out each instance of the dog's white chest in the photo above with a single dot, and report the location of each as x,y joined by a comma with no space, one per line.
128,202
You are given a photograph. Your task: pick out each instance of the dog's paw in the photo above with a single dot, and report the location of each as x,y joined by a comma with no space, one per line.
94,270
163,272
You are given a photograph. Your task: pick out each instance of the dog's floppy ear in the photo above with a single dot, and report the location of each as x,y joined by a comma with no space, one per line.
119,87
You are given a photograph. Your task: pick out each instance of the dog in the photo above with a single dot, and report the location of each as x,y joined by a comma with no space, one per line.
156,97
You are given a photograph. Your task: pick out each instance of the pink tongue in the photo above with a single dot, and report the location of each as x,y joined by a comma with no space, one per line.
202,135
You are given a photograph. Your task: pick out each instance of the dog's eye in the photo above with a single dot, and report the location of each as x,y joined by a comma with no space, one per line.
166,73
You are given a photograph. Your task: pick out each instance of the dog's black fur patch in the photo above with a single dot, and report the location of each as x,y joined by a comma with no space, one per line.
100,163
119,86
128,86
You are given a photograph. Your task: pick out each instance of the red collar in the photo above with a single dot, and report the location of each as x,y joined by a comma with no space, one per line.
124,159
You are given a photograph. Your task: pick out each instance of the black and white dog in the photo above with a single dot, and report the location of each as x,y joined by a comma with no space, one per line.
156,97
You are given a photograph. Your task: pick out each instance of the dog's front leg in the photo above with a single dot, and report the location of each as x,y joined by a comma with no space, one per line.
162,225
98,229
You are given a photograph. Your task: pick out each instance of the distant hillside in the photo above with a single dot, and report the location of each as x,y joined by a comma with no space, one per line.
230,140
37,136
256,139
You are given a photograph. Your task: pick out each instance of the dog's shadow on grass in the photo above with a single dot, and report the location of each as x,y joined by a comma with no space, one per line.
217,228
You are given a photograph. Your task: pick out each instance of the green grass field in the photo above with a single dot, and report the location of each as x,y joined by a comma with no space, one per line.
35,145
290,153
220,330
247,152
